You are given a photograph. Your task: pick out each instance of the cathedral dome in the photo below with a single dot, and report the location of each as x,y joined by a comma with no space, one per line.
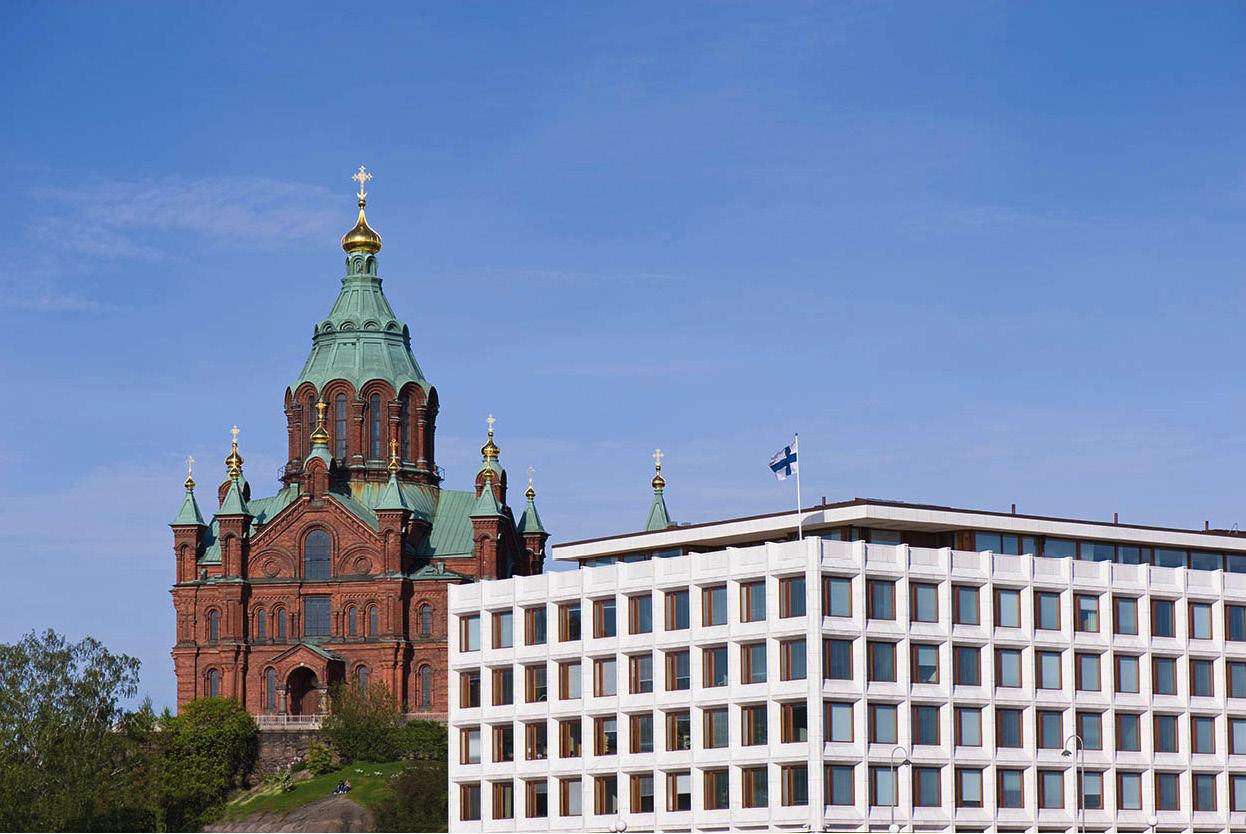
362,238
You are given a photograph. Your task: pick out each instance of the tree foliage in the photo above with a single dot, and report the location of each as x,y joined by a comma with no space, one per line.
205,750
363,724
425,740
419,800
70,759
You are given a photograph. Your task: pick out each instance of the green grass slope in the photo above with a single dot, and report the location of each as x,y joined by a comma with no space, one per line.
367,782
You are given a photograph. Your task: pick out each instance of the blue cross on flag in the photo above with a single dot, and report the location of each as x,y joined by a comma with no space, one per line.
783,463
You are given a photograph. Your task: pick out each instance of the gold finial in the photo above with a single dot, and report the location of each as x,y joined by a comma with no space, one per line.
394,465
362,238
319,435
190,473
487,474
490,450
233,463
658,481
530,493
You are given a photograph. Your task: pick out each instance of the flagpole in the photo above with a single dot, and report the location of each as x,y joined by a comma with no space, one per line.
800,533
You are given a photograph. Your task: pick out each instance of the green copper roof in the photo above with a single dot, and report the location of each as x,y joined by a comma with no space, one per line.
530,521
486,503
391,498
659,518
361,340
234,503
189,513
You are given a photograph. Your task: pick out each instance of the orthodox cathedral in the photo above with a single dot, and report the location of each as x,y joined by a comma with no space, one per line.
343,573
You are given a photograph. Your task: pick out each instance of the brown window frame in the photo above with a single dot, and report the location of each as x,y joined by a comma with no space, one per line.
787,721
600,742
710,778
1079,680
787,597
1077,614
710,716
671,608
913,589
709,666
564,622
536,741
530,673
870,585
958,617
633,613
670,659
1116,614
750,728
564,679
498,686
499,800
672,729
466,689
998,608
637,796
707,605
599,618
747,589
529,625
633,673
1038,670
634,721
746,666
567,740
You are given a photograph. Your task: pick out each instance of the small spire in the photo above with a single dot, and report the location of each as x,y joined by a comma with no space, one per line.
189,483
362,238
530,493
658,481
490,450
530,521
394,465
659,518
233,463
320,436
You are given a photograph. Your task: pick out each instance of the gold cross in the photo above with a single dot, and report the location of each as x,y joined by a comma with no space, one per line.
190,465
490,421
363,176
320,407
657,456
530,471
393,447
234,432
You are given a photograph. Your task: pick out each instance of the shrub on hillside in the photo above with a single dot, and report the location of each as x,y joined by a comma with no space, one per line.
423,740
418,800
320,759
363,723
207,748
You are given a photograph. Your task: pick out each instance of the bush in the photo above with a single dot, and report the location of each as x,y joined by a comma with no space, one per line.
423,740
207,748
418,800
363,724
320,759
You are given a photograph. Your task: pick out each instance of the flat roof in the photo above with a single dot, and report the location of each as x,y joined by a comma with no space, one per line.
894,515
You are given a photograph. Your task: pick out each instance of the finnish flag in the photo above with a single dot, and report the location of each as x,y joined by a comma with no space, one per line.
784,463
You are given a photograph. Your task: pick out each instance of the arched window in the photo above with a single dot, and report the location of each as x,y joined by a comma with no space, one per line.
404,430
426,686
362,673
280,616
214,626
339,426
270,689
426,620
352,622
214,684
261,624
374,621
316,549
374,417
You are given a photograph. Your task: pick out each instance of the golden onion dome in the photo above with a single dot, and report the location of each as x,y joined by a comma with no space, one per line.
362,238
490,449
658,481
529,493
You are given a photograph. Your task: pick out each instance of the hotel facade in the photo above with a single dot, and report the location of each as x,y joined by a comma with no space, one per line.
900,668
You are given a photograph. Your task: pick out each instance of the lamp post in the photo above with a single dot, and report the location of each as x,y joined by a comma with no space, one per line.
1077,749
895,783
1153,821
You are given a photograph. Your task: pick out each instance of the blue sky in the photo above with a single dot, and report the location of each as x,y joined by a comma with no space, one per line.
975,253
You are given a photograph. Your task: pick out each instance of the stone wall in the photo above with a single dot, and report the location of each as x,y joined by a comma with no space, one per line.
278,749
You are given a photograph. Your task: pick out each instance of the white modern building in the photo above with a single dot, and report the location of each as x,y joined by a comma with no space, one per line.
856,686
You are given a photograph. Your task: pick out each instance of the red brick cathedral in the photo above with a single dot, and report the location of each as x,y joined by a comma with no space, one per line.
343,572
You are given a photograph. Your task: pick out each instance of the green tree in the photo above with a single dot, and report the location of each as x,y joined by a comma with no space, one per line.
422,739
418,800
206,749
363,724
68,754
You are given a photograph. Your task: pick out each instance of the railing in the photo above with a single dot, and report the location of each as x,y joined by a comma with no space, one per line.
314,722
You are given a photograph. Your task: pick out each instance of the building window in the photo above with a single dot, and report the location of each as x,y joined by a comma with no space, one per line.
374,414
536,741
795,784
1167,792
753,724
1086,677
1090,792
753,663
469,683
1200,621
714,666
1008,728
968,787
882,786
503,630
753,601
1237,679
1050,729
270,688
679,791
1164,675
883,723
968,727
426,620
1047,668
678,671
965,605
641,732
534,626
718,790
676,610
470,745
1128,791
714,605
1047,610
880,661
352,621
605,677
404,430
640,673
1090,729
1011,788
339,451
570,738
1087,610
1201,678
1124,615
1204,791
792,597
261,624
504,744
569,622
1051,789
839,722
316,616
838,785
426,686
503,687
1128,733
361,675
1235,623
214,684
316,553
927,792
214,626
604,624
925,725
569,681
1163,618
923,603
1008,668
837,660
794,722
538,799
880,599
967,665
925,664
836,596
1237,736
1126,674
642,793
536,689
679,730
1203,733
570,797
469,633
792,660
640,614
716,727
374,621
469,801
1007,608
755,781
606,735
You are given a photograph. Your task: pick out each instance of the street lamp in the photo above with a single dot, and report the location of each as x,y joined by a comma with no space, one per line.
895,784
1080,750
1153,821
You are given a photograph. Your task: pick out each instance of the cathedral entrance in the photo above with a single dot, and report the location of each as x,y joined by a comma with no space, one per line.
302,692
